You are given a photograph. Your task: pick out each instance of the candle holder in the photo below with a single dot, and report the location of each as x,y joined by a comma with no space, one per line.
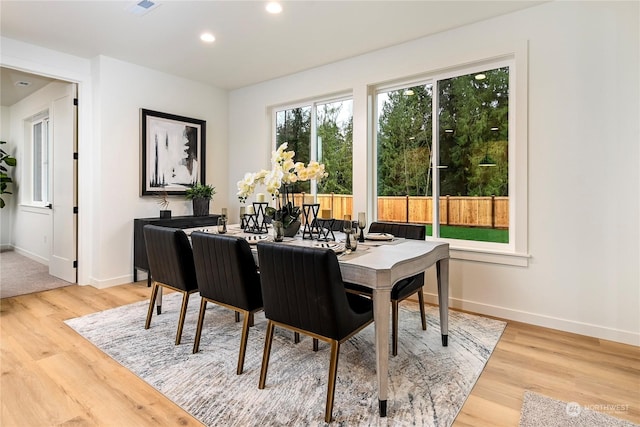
257,222
250,223
310,211
325,227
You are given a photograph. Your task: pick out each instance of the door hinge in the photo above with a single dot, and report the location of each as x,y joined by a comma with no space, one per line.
75,156
75,264
75,209
75,101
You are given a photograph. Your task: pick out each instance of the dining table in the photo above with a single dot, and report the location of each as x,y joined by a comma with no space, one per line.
377,264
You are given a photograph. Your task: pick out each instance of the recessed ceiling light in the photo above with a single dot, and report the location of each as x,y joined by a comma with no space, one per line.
22,83
273,7
480,76
207,37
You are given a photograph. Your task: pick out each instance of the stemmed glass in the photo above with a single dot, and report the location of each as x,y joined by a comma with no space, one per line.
347,227
362,223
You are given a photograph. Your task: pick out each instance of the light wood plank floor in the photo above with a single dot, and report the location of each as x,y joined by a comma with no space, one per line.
53,377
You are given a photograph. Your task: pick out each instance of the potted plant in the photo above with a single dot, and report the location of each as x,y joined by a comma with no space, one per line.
285,171
201,195
5,161
163,200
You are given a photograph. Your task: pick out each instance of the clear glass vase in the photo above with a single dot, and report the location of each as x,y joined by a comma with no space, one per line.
278,231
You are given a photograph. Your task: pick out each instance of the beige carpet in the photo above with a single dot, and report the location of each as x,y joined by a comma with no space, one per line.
542,411
20,275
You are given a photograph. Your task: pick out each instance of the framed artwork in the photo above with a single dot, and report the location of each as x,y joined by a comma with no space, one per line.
173,152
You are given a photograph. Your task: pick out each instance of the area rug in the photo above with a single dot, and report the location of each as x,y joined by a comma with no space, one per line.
542,411
428,383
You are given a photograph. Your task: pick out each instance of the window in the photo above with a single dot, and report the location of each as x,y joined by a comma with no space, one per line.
40,154
460,123
321,131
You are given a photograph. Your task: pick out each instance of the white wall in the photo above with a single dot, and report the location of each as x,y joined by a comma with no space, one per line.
120,90
583,158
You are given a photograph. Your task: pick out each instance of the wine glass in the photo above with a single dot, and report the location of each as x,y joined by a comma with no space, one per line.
362,223
347,227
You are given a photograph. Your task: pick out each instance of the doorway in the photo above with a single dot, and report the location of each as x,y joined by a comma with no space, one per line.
45,231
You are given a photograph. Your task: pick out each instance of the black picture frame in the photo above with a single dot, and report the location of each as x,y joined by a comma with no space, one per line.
172,152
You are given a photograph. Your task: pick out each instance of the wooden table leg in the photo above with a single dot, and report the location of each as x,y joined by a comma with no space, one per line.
381,308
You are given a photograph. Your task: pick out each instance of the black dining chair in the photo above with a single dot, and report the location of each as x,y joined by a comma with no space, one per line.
405,287
303,291
227,276
170,266
338,225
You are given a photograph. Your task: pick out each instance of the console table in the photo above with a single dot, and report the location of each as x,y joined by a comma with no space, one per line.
140,261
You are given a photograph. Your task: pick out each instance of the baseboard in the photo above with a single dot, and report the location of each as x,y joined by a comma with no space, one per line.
31,256
581,328
102,284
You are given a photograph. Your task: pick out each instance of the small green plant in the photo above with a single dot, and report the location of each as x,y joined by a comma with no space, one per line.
200,191
5,161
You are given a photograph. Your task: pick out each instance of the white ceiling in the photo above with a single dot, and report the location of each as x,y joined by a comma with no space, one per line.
251,46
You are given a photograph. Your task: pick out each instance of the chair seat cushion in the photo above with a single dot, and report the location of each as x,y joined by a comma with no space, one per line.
360,305
401,290
407,287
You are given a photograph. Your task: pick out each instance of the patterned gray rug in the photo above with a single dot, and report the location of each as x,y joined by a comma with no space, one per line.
428,383
542,411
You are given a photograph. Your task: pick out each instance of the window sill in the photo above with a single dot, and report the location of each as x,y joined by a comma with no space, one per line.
43,210
490,256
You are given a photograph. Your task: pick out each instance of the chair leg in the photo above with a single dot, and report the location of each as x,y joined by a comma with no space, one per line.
331,386
296,337
237,314
183,314
243,341
196,341
423,316
265,355
152,302
315,344
394,327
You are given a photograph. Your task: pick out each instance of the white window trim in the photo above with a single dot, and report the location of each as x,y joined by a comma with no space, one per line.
27,200
312,103
516,251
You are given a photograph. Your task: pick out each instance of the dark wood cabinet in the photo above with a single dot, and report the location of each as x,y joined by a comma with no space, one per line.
140,261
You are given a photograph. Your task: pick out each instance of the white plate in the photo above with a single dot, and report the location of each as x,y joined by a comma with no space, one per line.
378,236
256,238
335,247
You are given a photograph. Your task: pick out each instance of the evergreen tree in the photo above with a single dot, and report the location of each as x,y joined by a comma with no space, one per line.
473,123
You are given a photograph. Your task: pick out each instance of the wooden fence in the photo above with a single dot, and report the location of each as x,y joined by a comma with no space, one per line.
488,212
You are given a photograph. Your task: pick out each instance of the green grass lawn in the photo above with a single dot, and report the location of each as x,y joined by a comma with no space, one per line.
472,233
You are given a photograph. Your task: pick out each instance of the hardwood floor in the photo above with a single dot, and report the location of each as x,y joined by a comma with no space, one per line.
53,377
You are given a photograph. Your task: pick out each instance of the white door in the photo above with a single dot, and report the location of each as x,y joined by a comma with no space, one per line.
62,262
